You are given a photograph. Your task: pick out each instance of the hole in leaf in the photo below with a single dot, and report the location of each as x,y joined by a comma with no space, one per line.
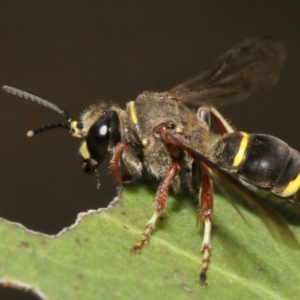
44,186
14,294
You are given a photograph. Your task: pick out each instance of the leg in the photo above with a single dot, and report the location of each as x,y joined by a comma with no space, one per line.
114,162
223,125
205,194
205,211
160,202
125,165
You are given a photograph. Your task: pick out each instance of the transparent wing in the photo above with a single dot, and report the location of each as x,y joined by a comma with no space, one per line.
271,219
253,66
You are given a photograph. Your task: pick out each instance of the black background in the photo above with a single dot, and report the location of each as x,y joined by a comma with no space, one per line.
77,52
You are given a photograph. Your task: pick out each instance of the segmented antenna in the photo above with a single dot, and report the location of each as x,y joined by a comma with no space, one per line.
25,95
46,127
30,133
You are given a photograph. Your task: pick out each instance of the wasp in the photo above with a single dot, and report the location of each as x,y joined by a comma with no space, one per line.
160,136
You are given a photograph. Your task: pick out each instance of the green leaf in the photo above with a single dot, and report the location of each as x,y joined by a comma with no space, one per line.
92,260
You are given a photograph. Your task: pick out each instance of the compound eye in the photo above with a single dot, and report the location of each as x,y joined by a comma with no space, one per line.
98,139
103,135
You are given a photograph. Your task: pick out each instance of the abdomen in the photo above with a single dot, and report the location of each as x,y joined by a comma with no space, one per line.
262,160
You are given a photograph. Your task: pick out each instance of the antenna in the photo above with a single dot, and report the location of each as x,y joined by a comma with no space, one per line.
73,124
46,127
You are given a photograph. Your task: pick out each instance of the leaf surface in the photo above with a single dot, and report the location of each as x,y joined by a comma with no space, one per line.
91,259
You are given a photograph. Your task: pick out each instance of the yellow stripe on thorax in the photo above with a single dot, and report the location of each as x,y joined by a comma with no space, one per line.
243,145
292,187
132,113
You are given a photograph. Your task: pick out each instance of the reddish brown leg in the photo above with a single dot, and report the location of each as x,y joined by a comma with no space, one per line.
205,211
222,124
160,203
205,194
114,162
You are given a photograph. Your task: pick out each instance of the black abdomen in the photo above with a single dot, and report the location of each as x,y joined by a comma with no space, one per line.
262,160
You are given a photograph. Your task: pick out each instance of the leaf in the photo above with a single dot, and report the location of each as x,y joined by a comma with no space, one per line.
92,260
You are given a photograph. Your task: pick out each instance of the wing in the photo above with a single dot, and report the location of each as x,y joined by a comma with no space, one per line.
271,219
253,66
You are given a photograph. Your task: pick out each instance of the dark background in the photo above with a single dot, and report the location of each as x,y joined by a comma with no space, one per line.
76,52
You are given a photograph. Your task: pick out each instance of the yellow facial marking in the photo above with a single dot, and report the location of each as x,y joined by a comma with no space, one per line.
240,155
83,150
133,116
292,187
75,130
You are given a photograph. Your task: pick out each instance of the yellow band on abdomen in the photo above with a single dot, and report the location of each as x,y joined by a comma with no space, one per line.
292,187
240,155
